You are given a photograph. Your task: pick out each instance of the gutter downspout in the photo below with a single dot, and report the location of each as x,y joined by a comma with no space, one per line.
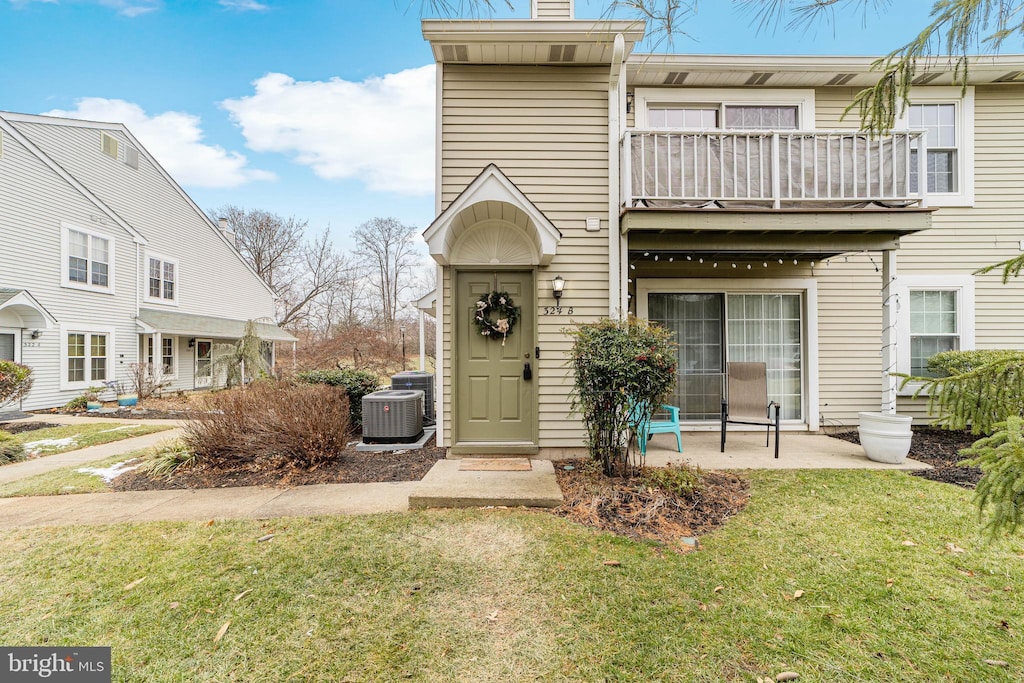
616,103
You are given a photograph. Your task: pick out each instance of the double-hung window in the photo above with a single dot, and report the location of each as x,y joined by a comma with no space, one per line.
87,357
87,259
946,115
161,279
935,314
166,358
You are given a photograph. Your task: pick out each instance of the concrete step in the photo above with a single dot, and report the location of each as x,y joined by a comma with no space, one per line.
453,483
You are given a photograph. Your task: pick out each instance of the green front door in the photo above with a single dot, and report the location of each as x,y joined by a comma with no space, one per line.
496,400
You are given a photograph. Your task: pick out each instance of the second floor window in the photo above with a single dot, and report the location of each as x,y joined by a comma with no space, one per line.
162,279
88,260
939,119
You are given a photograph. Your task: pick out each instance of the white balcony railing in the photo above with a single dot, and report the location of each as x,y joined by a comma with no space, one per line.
771,168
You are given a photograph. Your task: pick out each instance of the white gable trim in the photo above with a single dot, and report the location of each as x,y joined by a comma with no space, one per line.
31,312
491,186
59,170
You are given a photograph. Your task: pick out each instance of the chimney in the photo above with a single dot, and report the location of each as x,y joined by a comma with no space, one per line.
552,9
226,231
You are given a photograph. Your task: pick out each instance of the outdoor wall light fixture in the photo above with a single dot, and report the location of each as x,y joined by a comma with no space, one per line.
191,342
557,285
36,334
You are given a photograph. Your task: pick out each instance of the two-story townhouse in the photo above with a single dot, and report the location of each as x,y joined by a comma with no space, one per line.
726,197
106,262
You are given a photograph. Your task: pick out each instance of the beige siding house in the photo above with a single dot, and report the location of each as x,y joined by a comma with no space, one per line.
106,262
726,197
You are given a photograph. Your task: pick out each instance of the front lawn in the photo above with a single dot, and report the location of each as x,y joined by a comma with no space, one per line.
70,479
63,438
836,575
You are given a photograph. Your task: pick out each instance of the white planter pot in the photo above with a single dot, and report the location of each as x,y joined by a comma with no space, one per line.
885,438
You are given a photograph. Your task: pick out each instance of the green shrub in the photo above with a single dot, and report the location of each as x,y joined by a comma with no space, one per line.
1001,459
681,480
622,367
78,403
10,449
356,383
15,381
950,363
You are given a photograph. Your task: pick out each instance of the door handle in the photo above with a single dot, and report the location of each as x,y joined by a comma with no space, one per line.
527,371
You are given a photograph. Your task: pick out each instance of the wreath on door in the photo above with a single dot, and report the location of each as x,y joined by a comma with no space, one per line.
505,315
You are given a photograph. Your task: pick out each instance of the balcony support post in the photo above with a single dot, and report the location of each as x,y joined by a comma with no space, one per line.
776,175
890,304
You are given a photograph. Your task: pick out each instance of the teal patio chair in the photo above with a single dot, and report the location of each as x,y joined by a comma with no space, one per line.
646,426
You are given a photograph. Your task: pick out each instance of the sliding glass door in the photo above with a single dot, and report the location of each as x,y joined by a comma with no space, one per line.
713,328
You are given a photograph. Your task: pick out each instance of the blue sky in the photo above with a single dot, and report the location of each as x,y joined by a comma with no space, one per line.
319,109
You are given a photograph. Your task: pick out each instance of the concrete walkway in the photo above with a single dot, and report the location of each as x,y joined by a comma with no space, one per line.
204,504
449,482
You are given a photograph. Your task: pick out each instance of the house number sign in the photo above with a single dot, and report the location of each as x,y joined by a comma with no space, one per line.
557,310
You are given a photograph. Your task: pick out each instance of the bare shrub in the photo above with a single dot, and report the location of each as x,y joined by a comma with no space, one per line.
144,381
271,422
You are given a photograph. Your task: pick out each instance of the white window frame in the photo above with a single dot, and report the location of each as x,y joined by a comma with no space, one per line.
802,99
173,374
65,253
807,287
145,277
963,101
963,285
88,331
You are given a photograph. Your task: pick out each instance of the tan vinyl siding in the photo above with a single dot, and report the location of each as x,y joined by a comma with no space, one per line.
961,240
213,281
546,128
34,201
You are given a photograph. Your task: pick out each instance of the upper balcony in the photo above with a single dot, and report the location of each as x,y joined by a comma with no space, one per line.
766,170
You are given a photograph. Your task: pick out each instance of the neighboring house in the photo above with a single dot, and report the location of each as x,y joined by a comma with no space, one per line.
106,262
723,196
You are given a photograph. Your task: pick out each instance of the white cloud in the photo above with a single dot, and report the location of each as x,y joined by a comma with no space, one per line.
380,131
175,139
244,5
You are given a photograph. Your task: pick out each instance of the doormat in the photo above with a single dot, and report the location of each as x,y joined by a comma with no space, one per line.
495,465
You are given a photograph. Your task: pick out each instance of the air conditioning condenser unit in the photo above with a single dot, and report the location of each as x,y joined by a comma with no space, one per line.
393,416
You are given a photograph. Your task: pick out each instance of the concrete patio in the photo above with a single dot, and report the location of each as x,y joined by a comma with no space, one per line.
746,450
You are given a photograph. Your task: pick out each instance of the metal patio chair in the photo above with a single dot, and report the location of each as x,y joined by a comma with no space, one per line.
747,401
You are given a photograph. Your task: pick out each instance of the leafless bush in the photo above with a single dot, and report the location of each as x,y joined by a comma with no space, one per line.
271,422
144,381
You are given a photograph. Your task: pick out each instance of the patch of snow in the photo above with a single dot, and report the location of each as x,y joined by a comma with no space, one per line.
37,447
111,473
118,429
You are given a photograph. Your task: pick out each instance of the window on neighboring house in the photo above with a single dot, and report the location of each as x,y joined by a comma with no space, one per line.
86,358
166,355
88,259
941,164
935,313
163,276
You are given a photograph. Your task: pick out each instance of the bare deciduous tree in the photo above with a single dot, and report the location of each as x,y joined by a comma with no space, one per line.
389,249
300,271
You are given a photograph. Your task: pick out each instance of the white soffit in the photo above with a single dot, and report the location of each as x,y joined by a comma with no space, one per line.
490,197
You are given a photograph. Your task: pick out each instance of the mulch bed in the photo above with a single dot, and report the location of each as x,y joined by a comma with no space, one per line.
128,414
939,448
19,427
628,508
351,467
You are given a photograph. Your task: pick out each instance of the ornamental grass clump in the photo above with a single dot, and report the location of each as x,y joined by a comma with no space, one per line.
624,371
271,423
